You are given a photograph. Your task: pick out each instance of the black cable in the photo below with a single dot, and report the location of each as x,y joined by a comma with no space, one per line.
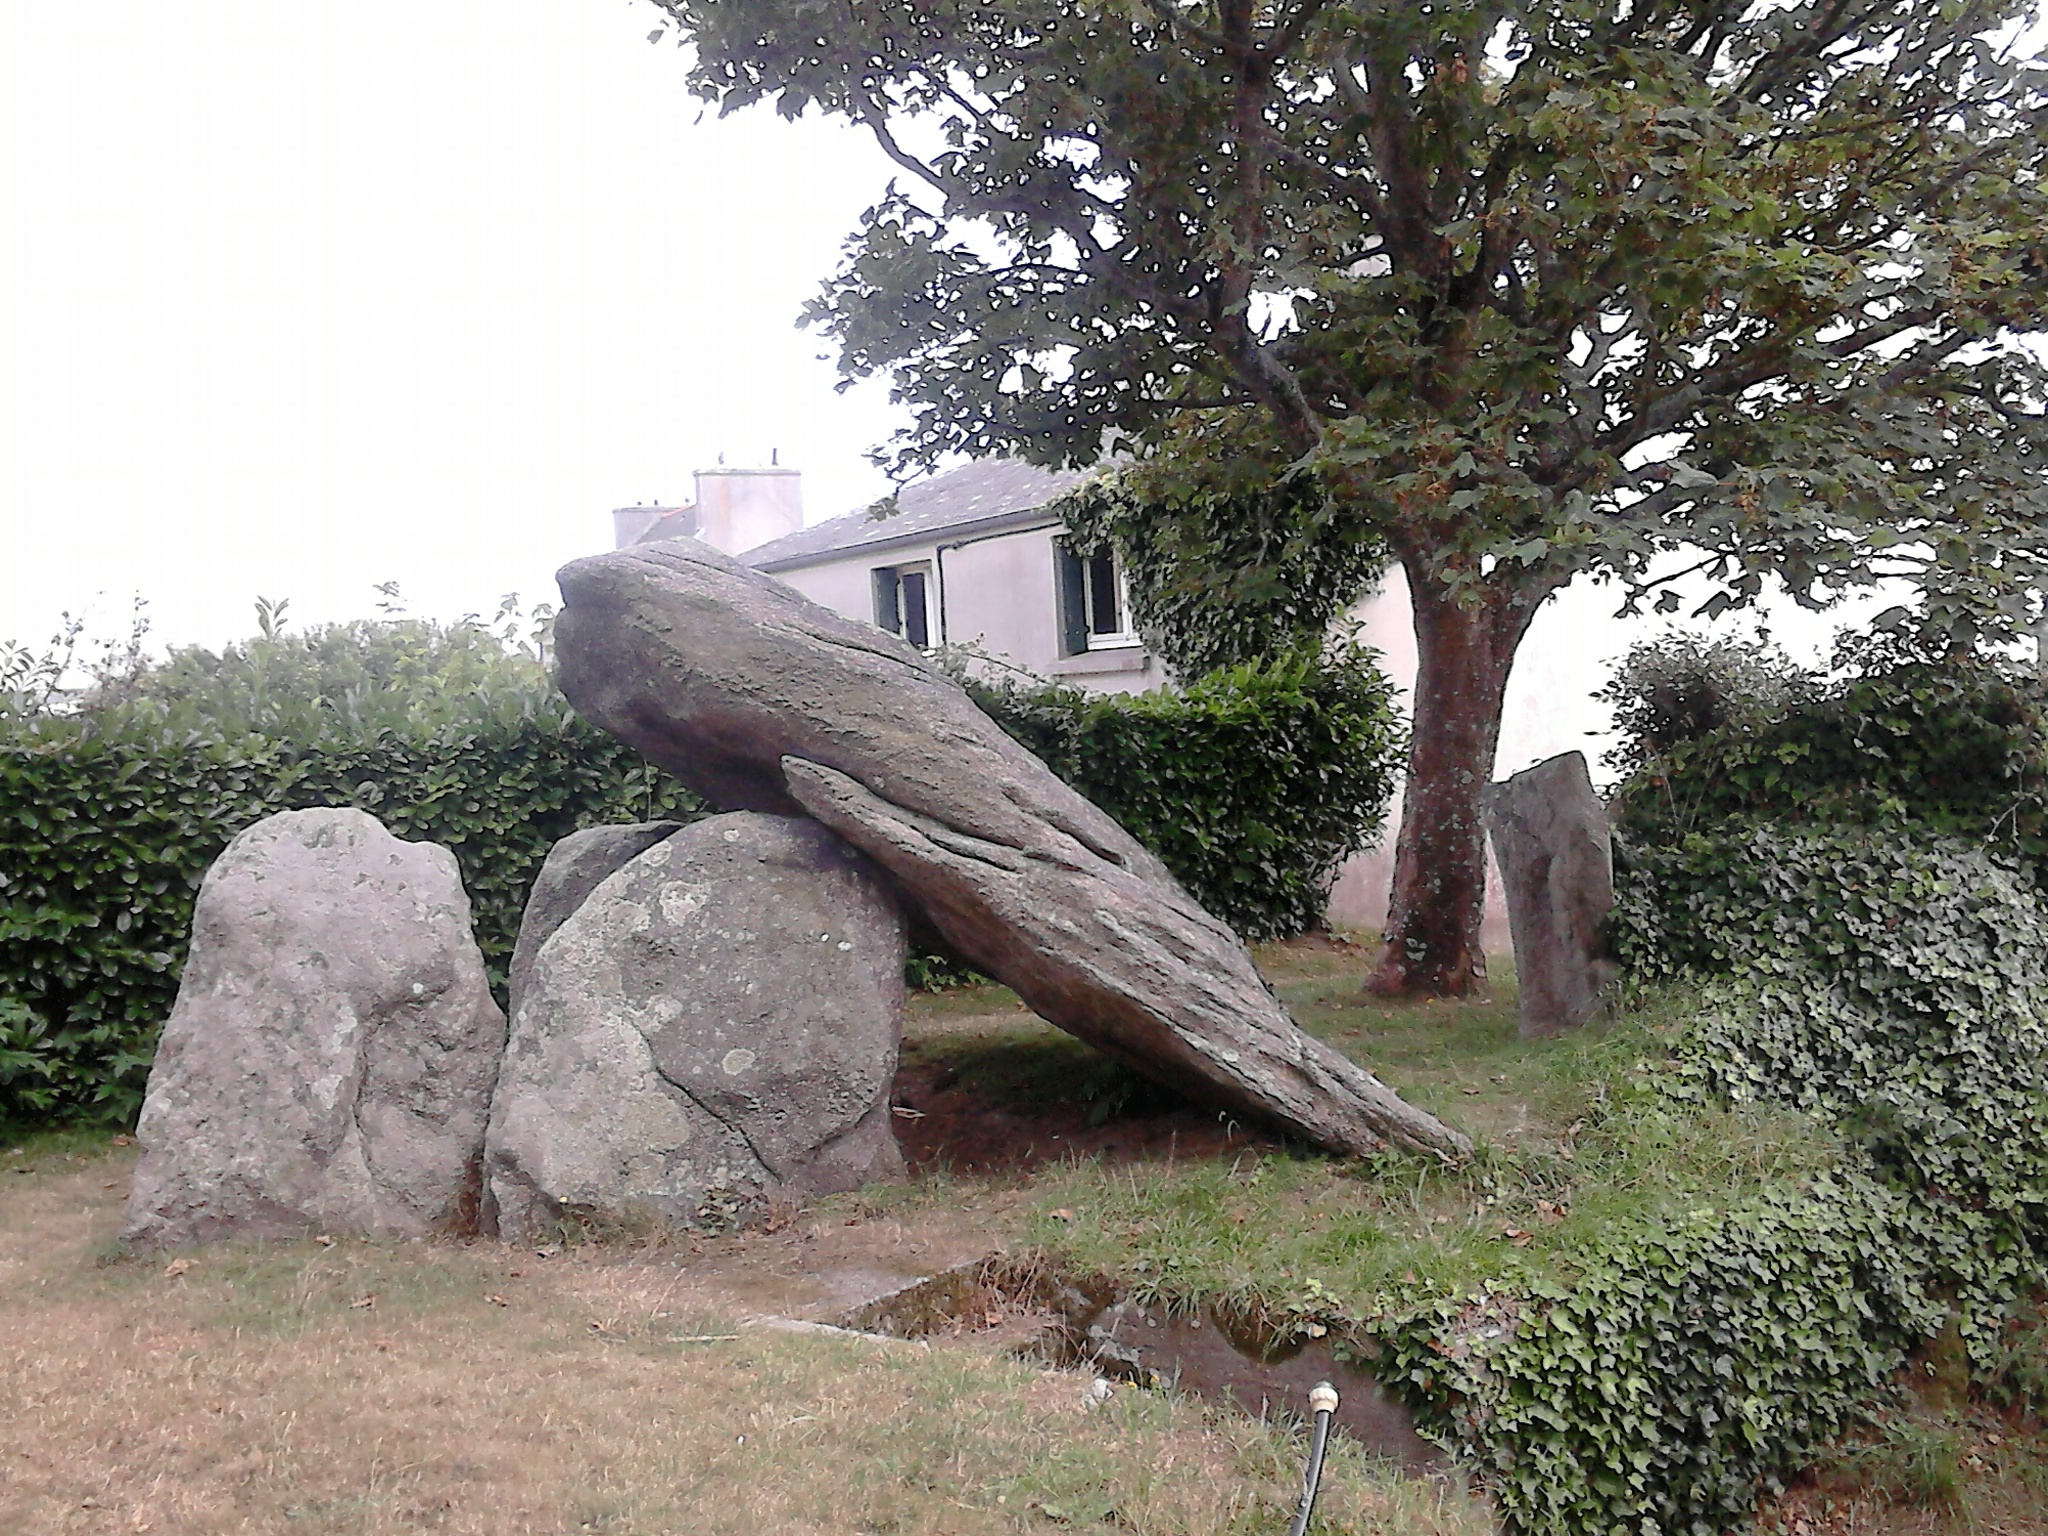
1322,1401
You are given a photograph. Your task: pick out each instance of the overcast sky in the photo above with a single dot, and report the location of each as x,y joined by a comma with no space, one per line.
297,299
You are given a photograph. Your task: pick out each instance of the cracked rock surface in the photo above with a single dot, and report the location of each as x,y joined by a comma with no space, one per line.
328,1064
575,866
715,1024
762,700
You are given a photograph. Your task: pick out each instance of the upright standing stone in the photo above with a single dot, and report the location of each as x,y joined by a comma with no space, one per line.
574,867
716,1024
1551,841
329,1062
762,700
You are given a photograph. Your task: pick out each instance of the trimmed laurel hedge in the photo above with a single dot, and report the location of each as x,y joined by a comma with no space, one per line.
105,834
1252,784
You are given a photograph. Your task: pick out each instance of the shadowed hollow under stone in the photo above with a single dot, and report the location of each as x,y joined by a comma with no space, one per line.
762,700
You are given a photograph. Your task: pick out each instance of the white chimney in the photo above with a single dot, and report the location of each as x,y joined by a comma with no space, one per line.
740,509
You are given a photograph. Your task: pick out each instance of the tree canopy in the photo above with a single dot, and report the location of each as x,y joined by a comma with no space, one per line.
1523,291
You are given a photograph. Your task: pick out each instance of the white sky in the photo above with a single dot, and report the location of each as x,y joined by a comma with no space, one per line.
297,299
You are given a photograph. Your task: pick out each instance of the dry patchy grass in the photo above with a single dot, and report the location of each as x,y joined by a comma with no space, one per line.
370,1388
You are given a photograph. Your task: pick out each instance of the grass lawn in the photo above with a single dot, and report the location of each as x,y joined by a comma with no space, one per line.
352,1386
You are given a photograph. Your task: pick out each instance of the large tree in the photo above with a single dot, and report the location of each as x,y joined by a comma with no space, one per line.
1529,291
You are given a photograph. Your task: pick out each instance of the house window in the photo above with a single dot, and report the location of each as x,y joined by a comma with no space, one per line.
903,602
1095,604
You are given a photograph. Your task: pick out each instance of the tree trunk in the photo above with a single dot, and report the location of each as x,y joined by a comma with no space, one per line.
1463,655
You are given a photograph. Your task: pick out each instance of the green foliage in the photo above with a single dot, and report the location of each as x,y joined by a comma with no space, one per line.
1680,688
1901,738
1237,568
1694,1360
110,817
1252,784
2016,1376
405,675
1896,984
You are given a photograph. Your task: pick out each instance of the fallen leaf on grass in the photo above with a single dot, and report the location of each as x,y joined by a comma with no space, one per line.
1517,1236
364,1302
176,1268
124,1141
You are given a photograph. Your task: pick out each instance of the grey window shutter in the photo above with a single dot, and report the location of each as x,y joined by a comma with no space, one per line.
1070,579
916,612
888,610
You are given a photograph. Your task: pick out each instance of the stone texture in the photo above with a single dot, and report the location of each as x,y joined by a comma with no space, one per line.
329,1062
575,867
716,1023
762,700
1550,839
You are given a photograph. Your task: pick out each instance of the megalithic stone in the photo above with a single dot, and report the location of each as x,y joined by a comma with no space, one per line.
1556,860
762,700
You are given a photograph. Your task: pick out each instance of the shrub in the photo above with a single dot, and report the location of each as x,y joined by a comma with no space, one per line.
1679,688
1901,738
1691,1363
1897,985
108,824
1252,784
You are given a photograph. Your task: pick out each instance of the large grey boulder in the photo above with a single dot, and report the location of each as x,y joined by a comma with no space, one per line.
1556,860
574,867
329,1062
762,700
715,1025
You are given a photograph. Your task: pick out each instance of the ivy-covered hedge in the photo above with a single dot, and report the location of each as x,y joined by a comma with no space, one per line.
1253,784
1687,1368
107,828
1892,987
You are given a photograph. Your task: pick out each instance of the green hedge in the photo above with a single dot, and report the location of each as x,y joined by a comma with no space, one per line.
1946,745
1252,784
106,830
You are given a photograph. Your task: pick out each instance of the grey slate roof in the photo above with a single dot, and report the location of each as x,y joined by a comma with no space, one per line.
982,497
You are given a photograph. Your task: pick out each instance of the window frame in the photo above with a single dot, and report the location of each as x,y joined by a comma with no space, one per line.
892,610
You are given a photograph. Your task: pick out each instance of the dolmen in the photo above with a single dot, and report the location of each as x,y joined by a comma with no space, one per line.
765,702
705,1018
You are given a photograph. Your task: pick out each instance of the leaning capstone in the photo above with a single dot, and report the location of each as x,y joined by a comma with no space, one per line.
764,701
575,867
329,1062
716,1025
1556,860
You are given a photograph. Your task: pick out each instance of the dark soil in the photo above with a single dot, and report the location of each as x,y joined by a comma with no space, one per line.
951,1116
